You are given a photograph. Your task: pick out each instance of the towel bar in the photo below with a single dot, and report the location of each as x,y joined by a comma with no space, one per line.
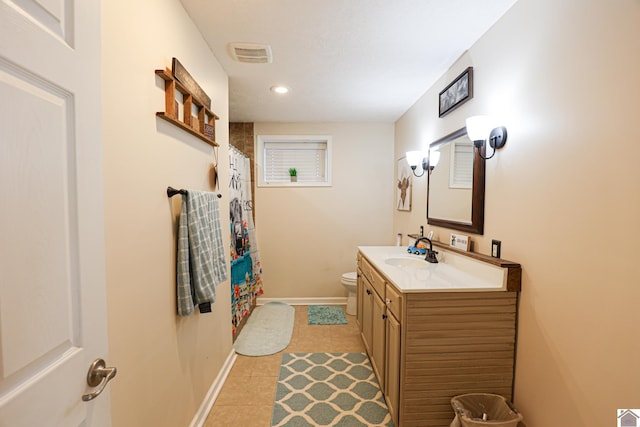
172,192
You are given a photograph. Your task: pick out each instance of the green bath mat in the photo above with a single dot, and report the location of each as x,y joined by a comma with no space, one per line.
326,315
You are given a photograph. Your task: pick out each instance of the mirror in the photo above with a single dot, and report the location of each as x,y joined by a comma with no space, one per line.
455,194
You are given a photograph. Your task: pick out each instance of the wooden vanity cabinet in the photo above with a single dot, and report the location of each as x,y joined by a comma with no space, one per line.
359,297
378,346
372,312
366,310
427,347
380,330
393,363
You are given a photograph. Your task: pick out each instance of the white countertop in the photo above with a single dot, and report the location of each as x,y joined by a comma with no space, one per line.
453,273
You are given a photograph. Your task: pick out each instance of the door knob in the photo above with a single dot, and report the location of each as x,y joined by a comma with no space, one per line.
98,375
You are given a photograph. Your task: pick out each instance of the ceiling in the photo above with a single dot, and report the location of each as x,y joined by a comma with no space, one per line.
343,60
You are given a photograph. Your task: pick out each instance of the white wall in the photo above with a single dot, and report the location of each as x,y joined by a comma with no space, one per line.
561,195
165,363
308,236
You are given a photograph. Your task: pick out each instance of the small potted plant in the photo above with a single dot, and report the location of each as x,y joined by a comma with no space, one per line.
293,173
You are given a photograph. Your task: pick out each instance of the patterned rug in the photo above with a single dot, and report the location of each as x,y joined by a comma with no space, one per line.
328,389
326,315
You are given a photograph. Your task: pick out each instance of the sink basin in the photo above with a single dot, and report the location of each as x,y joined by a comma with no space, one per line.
407,262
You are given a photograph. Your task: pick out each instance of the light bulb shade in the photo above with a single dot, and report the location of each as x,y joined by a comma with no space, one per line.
414,158
479,127
434,158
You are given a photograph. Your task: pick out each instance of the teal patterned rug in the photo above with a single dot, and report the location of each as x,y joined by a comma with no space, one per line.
326,315
328,389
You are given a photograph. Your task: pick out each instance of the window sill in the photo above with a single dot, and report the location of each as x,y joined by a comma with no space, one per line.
294,184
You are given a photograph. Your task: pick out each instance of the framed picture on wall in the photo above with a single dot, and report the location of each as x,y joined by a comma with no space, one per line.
459,91
403,185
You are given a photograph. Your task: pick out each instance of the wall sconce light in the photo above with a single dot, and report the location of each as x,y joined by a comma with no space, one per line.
483,128
428,160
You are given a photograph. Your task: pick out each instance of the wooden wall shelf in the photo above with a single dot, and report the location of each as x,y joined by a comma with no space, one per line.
205,127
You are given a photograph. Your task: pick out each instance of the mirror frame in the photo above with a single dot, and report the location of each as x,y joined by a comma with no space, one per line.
477,203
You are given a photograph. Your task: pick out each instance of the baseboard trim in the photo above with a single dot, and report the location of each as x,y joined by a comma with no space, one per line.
211,396
306,301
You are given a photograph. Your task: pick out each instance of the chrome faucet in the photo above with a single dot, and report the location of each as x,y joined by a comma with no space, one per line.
431,254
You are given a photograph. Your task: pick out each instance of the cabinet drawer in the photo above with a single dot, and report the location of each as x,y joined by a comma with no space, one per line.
376,280
378,283
394,301
366,269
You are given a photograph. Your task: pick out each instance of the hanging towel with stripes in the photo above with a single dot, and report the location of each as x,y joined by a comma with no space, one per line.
201,264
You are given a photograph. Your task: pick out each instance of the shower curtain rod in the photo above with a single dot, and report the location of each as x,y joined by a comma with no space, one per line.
172,192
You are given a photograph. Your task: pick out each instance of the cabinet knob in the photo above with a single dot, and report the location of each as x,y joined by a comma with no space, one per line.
368,292
384,316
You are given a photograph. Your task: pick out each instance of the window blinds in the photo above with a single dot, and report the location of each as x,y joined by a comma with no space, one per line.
309,159
461,171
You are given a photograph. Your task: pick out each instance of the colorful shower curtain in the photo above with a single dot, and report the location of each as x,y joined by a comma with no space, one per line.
246,272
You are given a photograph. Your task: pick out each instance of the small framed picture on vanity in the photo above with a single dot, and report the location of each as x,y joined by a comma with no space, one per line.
459,241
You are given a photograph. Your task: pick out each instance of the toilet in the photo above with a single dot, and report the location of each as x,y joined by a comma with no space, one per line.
349,281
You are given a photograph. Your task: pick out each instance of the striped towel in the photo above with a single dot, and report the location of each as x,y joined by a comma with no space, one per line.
201,264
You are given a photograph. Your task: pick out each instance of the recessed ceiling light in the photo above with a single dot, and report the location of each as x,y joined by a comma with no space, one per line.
280,89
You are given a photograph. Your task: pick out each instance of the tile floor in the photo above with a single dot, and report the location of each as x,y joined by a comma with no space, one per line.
246,399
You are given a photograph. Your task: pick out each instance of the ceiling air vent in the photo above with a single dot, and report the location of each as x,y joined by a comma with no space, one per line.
252,53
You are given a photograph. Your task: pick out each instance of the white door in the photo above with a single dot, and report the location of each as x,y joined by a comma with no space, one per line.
52,280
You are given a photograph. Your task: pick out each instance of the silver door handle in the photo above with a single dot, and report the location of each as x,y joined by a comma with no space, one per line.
98,375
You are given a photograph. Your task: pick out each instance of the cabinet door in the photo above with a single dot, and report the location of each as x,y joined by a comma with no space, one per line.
360,297
378,346
392,381
367,311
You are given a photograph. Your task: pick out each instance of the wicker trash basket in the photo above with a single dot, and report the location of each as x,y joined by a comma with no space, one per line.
484,410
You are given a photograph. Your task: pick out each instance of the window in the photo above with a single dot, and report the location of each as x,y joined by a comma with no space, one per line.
309,155
461,167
